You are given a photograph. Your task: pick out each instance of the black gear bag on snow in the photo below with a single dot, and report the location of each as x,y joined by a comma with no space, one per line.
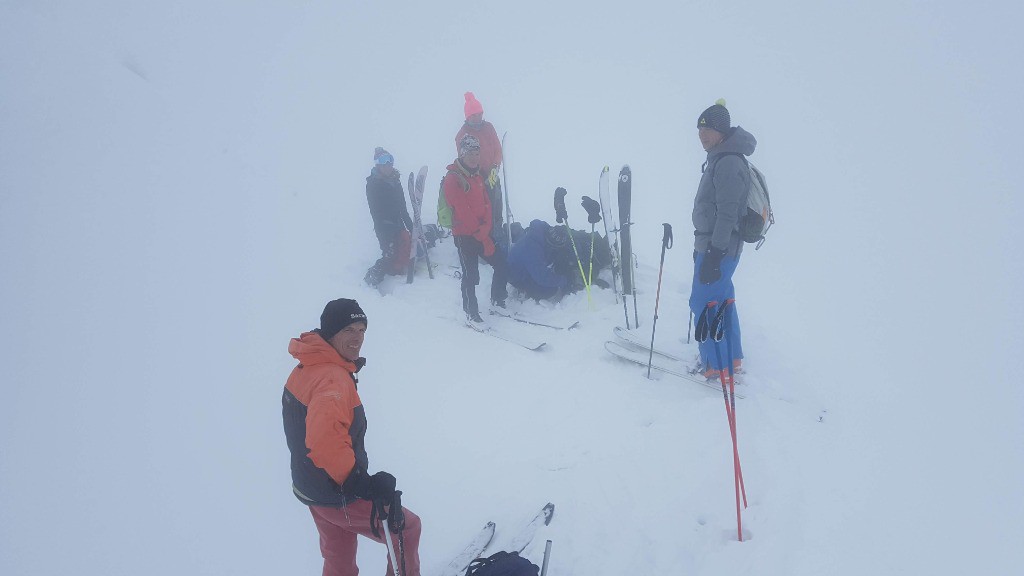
503,564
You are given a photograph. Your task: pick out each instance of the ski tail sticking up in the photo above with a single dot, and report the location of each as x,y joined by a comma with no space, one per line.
626,245
609,220
504,185
418,245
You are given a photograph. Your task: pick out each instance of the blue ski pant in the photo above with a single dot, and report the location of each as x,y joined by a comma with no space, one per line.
718,291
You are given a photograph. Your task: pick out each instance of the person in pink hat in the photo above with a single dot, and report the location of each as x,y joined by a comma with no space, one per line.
490,159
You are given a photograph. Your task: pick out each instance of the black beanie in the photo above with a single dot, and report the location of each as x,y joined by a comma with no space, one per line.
715,117
337,315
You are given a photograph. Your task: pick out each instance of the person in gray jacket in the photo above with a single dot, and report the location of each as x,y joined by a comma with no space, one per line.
720,202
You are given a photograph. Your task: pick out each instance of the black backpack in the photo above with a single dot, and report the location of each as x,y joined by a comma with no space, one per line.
502,564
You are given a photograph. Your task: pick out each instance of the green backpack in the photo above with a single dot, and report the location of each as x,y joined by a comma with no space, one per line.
444,211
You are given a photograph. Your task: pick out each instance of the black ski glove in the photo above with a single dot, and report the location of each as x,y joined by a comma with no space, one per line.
560,214
593,208
711,267
380,486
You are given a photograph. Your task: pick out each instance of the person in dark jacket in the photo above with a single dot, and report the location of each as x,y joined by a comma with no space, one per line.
720,202
325,425
531,263
391,220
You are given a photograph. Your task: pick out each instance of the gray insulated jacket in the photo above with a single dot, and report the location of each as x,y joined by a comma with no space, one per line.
722,194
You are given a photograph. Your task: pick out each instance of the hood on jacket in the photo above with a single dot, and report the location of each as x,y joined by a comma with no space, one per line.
739,141
457,166
311,349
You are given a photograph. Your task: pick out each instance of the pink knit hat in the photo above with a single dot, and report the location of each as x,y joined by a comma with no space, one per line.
473,105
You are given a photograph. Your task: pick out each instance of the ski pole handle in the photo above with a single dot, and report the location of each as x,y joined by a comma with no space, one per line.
718,324
560,213
666,239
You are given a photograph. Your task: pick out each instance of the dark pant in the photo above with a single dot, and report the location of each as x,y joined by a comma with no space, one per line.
470,253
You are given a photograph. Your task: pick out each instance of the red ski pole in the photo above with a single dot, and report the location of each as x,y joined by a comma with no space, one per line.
718,332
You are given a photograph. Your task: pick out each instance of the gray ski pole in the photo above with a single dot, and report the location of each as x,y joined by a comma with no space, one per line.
666,243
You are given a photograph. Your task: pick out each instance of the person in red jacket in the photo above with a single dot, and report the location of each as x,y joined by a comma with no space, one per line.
464,191
324,424
490,159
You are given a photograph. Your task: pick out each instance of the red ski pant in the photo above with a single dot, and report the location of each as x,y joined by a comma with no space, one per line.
339,528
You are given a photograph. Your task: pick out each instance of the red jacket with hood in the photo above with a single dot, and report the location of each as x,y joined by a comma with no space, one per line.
471,207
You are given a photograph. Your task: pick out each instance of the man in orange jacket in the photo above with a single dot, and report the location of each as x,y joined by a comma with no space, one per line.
463,189
324,423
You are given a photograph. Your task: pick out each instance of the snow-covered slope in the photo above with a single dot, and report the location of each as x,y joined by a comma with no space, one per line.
181,190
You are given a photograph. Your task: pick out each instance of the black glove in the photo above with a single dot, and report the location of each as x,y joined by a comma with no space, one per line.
560,214
711,267
380,486
593,208
396,514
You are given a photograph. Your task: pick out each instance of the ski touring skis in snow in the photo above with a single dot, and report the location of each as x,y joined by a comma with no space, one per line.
457,567
675,368
525,536
508,336
608,213
626,262
418,243
635,340
519,317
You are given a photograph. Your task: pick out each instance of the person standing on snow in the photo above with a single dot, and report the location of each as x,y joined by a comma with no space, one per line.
324,423
490,159
391,220
463,189
720,203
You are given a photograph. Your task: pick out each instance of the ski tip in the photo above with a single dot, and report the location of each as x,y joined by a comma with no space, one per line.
575,324
549,512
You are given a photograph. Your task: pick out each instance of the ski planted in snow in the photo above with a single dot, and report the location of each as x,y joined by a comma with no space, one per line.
495,332
518,317
418,243
671,367
625,244
608,216
476,547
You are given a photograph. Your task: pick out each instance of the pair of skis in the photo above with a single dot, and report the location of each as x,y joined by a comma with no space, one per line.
629,346
418,245
623,262
483,538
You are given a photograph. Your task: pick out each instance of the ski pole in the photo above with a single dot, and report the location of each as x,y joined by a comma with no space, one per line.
547,557
718,331
562,216
632,284
730,307
666,243
391,547
593,208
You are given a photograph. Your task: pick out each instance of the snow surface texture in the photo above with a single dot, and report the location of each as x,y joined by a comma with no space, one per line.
182,189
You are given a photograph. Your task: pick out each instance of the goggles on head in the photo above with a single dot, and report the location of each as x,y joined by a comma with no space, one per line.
385,159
